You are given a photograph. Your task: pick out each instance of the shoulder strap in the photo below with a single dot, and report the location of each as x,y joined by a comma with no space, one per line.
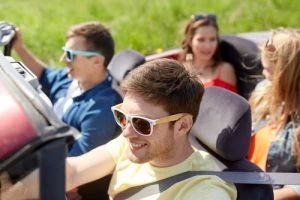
160,186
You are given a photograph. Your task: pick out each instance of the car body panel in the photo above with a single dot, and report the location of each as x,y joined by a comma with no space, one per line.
15,128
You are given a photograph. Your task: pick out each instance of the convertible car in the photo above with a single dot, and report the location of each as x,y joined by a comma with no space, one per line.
32,137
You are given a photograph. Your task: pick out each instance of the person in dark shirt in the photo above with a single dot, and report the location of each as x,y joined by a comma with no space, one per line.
85,104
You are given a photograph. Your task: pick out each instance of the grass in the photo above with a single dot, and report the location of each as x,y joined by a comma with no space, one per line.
146,26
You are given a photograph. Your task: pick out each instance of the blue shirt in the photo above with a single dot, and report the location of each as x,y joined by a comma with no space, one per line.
89,113
281,156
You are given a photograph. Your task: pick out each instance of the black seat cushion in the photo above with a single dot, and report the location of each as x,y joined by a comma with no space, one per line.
244,55
123,62
224,123
223,128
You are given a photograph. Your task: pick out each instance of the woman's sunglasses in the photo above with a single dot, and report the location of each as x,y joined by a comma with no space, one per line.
70,54
141,125
210,17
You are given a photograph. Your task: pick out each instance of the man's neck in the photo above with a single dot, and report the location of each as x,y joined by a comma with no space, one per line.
91,82
178,155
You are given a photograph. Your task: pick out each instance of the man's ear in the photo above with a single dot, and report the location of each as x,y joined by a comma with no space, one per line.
183,125
99,60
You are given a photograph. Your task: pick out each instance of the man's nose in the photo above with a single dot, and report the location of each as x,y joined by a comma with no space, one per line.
129,131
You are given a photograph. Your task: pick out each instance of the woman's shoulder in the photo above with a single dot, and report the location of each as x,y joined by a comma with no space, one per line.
226,72
225,66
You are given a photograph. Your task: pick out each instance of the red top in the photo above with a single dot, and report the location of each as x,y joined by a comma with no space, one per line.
220,83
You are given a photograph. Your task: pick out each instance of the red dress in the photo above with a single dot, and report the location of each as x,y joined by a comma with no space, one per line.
220,83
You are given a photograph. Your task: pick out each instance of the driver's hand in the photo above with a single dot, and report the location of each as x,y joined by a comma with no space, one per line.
18,40
5,183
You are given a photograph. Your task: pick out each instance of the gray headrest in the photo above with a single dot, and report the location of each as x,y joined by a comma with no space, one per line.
123,62
224,123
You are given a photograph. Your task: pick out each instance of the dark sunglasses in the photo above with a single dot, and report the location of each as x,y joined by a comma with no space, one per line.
70,54
141,125
210,17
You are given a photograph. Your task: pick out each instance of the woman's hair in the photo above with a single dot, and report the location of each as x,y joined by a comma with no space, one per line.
280,100
285,85
189,33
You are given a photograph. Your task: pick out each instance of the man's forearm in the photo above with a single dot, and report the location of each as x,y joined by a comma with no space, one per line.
88,167
33,63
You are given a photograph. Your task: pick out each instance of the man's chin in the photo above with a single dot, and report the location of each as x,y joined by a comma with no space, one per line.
135,159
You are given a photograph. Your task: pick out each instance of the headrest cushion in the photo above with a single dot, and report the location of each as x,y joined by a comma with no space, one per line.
123,62
224,123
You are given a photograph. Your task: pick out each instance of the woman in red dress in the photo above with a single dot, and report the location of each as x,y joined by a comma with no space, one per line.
201,53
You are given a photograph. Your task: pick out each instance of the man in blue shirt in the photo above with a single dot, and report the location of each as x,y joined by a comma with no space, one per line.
85,104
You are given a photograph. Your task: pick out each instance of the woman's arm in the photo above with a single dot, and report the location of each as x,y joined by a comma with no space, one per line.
285,193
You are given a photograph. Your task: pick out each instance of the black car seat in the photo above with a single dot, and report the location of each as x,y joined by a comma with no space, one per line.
122,63
244,55
223,128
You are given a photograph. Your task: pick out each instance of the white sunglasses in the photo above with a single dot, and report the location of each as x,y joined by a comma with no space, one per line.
142,125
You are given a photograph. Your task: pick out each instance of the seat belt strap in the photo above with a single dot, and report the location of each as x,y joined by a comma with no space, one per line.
160,186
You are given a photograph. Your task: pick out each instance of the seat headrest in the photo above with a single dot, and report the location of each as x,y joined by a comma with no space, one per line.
224,123
243,45
243,54
123,62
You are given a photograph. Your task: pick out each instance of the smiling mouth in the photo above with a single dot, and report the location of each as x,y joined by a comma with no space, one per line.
136,146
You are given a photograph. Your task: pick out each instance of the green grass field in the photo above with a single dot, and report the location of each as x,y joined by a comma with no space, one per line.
146,26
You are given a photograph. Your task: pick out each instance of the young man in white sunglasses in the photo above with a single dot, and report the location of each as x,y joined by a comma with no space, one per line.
160,105
86,106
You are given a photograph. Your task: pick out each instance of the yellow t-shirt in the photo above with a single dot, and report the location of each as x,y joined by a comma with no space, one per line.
128,174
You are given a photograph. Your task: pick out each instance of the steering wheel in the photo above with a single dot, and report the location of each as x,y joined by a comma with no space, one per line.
7,34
